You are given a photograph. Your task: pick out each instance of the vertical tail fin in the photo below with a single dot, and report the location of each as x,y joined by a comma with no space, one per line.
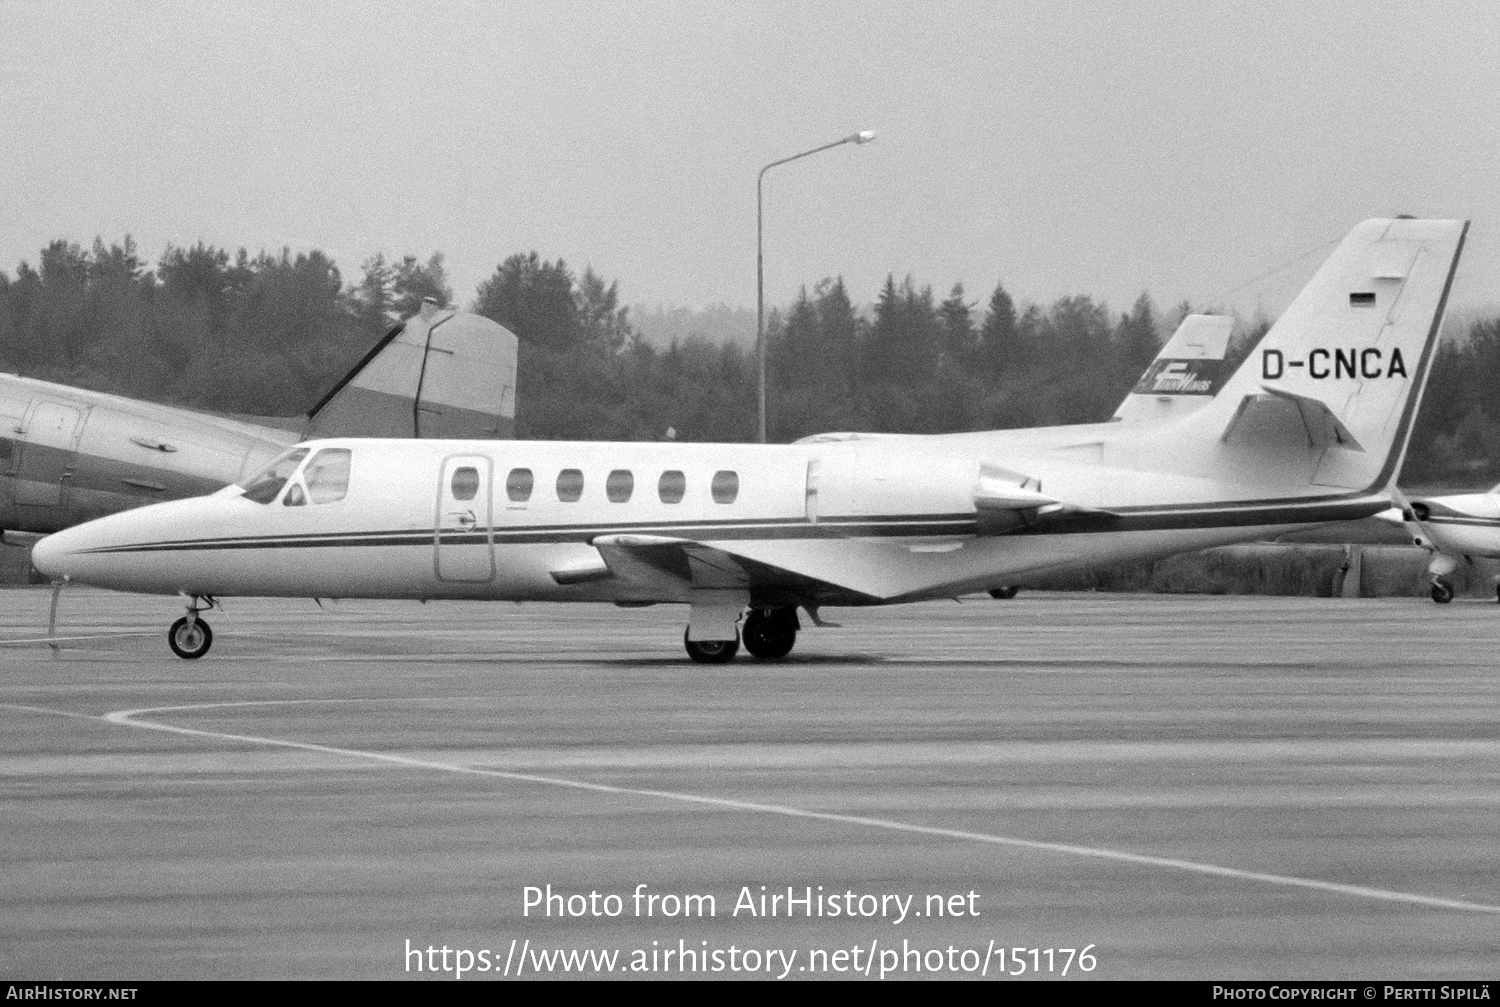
1335,385
1186,374
439,374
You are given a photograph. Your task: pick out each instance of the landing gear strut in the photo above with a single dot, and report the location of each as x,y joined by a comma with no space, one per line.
190,636
1442,591
770,633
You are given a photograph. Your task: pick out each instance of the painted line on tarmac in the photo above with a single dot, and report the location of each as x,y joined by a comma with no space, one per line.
70,639
127,718
55,713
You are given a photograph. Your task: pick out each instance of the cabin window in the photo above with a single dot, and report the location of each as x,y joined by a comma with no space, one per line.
294,496
619,485
465,484
265,485
671,487
327,475
725,487
569,485
518,485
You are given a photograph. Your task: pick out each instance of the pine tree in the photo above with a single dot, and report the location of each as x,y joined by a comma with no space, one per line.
1000,348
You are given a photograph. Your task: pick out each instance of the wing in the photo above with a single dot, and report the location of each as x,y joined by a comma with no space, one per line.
667,567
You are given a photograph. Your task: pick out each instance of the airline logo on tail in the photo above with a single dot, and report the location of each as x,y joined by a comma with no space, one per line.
1180,377
1186,374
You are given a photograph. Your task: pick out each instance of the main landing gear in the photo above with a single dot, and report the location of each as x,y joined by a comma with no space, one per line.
190,636
711,651
1442,591
769,634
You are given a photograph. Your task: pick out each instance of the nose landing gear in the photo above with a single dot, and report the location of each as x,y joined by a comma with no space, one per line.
1438,570
190,637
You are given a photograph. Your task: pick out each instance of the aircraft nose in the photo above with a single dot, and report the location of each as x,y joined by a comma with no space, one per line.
52,554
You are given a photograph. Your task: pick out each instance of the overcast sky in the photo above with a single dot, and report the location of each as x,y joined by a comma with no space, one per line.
1107,149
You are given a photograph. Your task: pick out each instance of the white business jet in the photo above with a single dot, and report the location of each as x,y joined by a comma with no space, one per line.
1311,429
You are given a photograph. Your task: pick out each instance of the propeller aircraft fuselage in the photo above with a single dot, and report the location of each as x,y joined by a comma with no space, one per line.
69,455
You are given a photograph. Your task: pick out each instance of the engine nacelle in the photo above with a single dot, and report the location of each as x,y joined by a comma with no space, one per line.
950,496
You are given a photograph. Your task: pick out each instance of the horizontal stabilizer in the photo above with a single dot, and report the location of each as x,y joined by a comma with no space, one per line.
1276,415
440,374
1323,427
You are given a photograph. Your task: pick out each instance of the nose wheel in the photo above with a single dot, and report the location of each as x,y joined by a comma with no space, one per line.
1442,591
190,637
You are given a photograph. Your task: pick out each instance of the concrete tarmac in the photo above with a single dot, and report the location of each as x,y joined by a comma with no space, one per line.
1187,787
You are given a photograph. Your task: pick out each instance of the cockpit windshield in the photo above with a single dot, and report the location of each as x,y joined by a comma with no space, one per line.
263,486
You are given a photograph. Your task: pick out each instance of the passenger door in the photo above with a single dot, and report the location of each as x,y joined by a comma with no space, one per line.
463,536
47,457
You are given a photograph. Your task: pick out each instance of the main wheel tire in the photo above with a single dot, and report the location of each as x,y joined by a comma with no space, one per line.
711,651
1004,593
190,640
1442,592
770,636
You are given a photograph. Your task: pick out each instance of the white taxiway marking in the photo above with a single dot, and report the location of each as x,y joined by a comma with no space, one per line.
127,718
70,639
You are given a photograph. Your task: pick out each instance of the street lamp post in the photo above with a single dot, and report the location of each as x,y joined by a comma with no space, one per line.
862,137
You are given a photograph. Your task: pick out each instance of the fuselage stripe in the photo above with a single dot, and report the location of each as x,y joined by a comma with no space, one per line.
925,526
